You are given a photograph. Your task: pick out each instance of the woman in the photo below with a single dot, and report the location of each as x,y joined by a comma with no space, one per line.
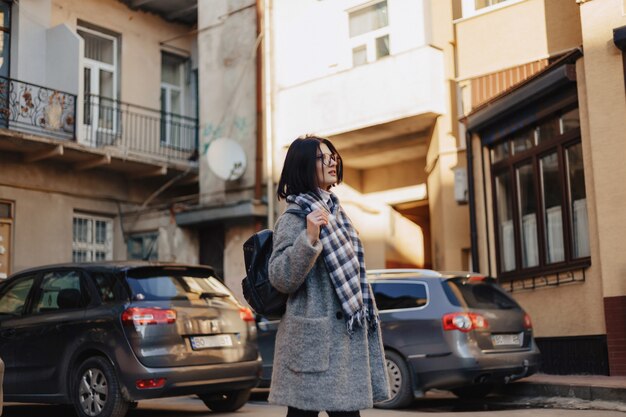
329,355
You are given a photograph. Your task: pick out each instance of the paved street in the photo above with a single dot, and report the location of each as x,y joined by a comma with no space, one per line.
442,405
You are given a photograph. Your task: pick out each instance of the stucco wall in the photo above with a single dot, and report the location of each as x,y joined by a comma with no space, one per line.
228,92
312,37
606,106
520,33
140,35
46,196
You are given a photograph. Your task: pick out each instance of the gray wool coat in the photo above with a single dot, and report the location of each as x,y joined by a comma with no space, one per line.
317,365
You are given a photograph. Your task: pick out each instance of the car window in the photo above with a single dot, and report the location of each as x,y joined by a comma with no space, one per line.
60,290
109,287
480,295
397,295
174,285
13,296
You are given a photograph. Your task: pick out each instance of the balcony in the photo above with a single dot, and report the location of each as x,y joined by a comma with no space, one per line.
41,123
405,86
520,32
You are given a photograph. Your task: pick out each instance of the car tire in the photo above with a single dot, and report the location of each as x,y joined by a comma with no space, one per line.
399,382
229,401
96,390
473,392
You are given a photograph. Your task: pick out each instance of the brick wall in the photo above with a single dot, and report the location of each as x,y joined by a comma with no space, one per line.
615,313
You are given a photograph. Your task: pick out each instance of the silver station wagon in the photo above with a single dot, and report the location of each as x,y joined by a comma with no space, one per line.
453,331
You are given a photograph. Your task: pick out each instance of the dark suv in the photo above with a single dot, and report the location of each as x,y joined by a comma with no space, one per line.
102,336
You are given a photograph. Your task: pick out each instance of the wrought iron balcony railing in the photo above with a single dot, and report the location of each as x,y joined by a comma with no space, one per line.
36,109
138,129
129,128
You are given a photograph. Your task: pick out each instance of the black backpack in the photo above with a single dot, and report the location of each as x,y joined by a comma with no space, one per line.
263,298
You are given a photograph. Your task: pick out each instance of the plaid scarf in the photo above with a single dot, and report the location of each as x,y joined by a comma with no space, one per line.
343,256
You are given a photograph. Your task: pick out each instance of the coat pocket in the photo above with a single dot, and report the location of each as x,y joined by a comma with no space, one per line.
309,344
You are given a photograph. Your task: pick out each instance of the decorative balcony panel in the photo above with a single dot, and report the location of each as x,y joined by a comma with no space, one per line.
35,109
138,130
393,88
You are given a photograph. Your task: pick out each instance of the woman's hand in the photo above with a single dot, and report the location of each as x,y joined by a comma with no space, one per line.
315,220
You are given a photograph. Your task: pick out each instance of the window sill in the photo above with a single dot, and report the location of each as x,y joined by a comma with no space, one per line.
545,271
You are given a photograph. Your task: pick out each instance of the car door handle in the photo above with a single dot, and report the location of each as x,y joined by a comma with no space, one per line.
7,333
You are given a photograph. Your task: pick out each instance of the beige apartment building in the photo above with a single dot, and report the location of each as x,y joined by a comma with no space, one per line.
543,98
98,131
377,79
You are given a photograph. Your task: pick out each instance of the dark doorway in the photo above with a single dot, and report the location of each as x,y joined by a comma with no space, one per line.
212,248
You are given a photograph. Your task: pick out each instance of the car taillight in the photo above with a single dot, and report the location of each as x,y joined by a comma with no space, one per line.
149,315
464,322
150,383
527,323
246,314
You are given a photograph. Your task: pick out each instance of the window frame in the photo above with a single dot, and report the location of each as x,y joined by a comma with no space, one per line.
369,39
7,30
91,119
93,247
559,144
143,235
168,117
86,293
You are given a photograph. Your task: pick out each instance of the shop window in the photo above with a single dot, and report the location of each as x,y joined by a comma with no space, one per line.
539,197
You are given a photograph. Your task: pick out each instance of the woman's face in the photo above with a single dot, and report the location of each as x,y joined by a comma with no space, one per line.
326,167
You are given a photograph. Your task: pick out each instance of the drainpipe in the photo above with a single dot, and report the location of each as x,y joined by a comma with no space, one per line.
472,202
267,113
258,158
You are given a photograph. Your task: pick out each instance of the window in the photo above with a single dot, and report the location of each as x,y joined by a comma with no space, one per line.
13,297
5,37
481,295
394,296
174,131
369,33
143,246
59,290
100,84
6,230
539,197
479,4
92,238
109,287
472,7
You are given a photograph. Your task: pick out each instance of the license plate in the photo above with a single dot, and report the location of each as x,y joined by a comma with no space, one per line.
506,340
205,342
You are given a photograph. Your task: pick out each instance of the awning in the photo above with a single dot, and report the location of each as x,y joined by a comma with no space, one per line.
518,102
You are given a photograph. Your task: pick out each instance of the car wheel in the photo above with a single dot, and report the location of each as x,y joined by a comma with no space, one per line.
473,392
96,390
399,382
228,401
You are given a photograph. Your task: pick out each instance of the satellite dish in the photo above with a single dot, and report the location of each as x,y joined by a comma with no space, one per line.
226,159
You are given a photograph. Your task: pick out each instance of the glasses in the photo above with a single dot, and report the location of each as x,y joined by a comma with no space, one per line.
326,158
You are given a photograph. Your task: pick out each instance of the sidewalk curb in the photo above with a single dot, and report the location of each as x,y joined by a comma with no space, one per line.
583,392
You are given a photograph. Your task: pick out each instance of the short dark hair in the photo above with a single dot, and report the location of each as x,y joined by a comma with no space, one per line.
299,174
